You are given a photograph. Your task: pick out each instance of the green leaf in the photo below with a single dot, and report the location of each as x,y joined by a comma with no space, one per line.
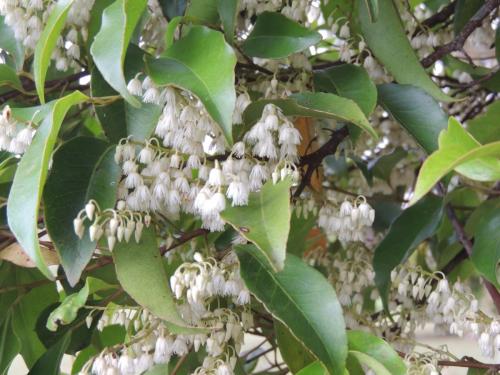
350,81
293,352
377,349
412,227
67,311
460,151
47,42
388,41
464,10
486,127
111,42
228,10
8,77
26,192
141,274
173,8
265,221
486,252
275,36
416,111
313,104
50,362
300,228
372,7
82,358
203,11
10,344
202,63
26,314
9,43
315,368
383,166
301,298
370,362
83,169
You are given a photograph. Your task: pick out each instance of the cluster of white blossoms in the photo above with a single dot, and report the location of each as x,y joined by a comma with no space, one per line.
424,297
203,280
299,10
196,285
14,137
347,222
422,364
27,19
116,225
179,170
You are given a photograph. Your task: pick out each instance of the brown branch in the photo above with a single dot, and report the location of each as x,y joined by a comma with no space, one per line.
30,85
314,159
459,41
185,237
440,16
465,362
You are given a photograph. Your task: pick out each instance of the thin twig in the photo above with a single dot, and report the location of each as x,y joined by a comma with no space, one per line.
459,41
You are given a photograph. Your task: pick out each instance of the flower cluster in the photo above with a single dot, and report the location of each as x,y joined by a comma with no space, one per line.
116,225
200,282
347,222
14,137
429,297
195,286
28,18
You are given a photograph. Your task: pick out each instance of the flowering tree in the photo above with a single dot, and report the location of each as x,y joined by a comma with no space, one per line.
181,179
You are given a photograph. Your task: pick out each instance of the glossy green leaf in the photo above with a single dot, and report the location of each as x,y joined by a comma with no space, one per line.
228,10
265,221
313,104
315,368
8,77
388,41
350,81
50,362
460,151
202,63
377,349
413,226
295,355
111,42
47,42
486,127
275,36
10,343
486,252
141,274
9,43
418,113
82,169
301,298
26,192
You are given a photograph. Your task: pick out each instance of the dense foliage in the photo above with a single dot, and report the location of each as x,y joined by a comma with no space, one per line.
180,179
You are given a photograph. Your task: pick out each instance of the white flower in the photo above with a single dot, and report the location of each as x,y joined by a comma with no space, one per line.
134,86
